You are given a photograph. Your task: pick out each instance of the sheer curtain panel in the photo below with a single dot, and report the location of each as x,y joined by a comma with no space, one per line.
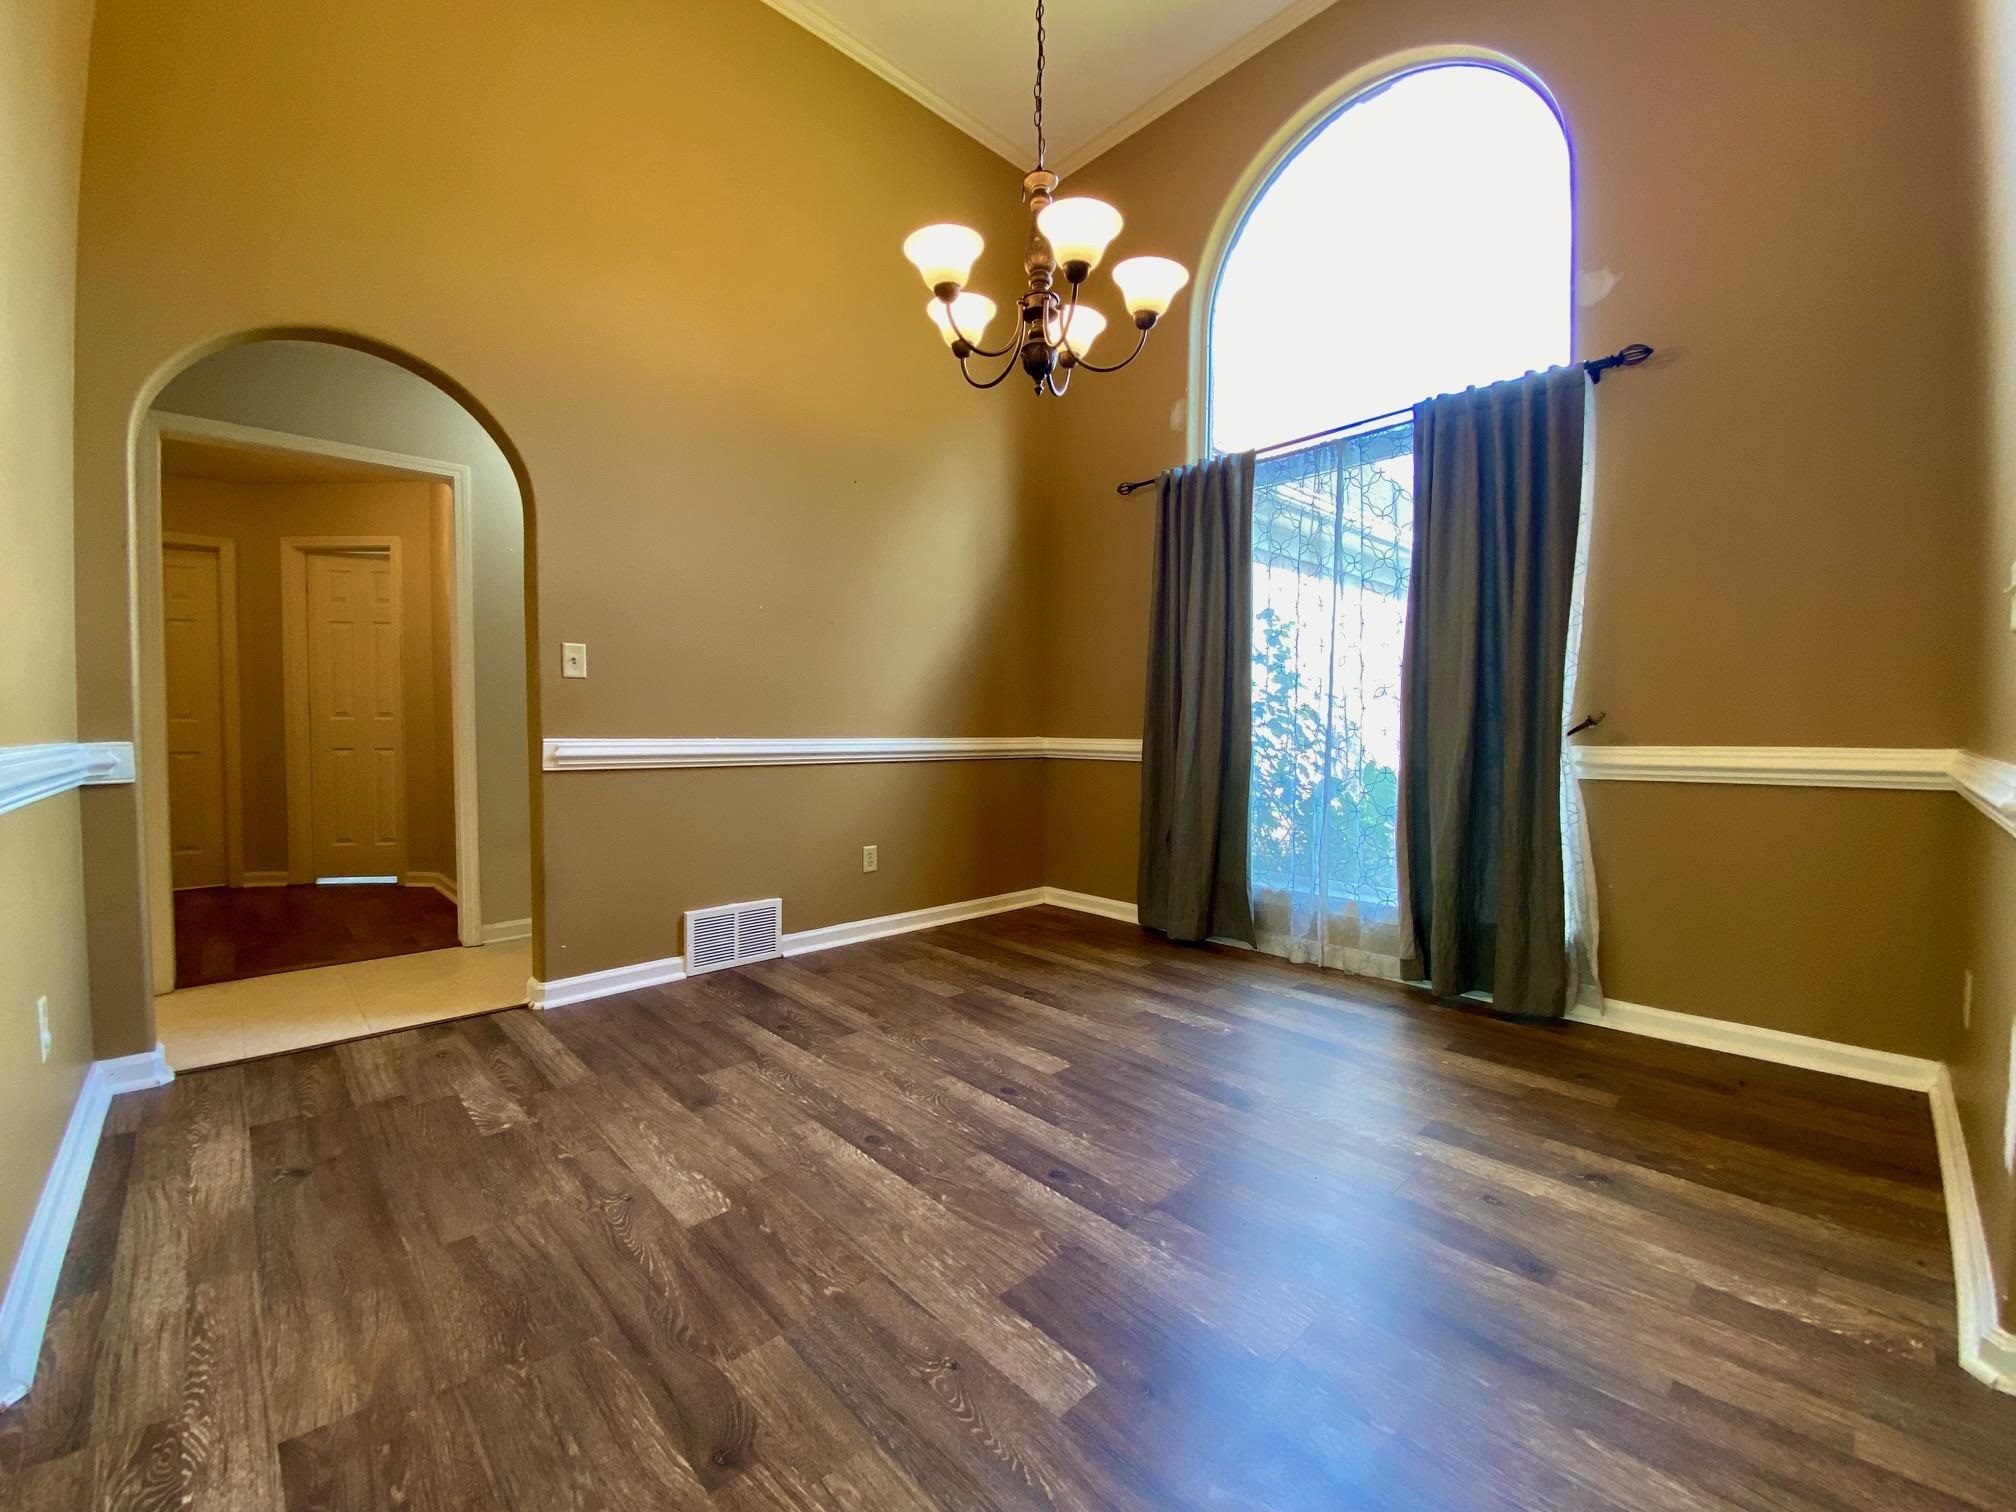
1332,542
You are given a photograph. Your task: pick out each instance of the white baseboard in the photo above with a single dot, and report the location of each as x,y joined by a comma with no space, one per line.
1092,903
561,991
439,881
808,940
506,930
595,984
1762,1044
1987,1350
263,879
24,1315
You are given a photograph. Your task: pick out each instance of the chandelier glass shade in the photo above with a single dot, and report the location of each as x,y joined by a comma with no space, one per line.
1068,239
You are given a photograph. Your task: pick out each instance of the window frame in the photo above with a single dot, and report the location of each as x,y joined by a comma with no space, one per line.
1286,145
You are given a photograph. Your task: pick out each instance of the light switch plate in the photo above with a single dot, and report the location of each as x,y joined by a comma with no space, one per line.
573,659
870,858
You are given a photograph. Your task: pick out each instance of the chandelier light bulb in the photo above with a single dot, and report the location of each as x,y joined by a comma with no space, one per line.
1078,231
1081,329
944,254
969,312
1149,285
1049,331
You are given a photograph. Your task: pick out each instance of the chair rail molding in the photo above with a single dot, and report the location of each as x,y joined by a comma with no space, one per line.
1091,750
1984,781
32,772
1988,784
603,754
1771,766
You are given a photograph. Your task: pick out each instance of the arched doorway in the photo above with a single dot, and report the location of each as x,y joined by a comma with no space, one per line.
331,535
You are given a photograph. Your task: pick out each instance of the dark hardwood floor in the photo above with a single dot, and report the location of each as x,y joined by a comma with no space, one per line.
1029,1212
223,934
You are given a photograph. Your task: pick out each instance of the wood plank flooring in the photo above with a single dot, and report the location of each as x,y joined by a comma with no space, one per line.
225,934
1031,1212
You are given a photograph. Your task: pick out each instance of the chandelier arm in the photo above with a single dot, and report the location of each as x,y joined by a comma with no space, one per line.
1115,367
1063,325
993,382
1051,379
978,350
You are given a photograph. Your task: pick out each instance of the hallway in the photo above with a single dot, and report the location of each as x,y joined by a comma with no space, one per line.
224,934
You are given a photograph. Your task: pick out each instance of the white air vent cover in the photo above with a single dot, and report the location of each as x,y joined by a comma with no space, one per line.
733,934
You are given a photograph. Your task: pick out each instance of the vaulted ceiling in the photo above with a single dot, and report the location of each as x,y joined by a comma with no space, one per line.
1114,64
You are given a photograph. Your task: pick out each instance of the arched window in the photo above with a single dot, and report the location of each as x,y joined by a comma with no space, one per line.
1418,241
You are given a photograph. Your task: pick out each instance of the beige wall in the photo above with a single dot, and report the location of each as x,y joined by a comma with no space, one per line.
658,245
1782,497
42,58
255,518
313,388
1982,1051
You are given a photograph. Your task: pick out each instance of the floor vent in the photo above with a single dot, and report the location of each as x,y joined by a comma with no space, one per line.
733,934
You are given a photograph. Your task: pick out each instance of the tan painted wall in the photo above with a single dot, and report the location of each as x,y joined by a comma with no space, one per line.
313,388
42,59
659,245
1781,498
255,518
1982,1051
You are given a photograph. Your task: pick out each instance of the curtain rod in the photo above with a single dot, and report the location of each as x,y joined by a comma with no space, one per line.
1595,367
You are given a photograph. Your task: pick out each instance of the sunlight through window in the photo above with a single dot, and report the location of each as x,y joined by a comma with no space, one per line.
1418,243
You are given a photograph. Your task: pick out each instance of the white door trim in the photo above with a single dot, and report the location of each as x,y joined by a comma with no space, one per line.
461,482
227,637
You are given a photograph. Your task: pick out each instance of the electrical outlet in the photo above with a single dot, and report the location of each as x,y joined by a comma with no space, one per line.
42,1025
869,859
1967,1001
573,659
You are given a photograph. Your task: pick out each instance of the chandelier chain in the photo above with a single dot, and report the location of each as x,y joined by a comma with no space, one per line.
1041,38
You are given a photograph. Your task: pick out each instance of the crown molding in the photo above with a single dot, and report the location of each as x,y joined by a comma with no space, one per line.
1207,73
829,31
1066,159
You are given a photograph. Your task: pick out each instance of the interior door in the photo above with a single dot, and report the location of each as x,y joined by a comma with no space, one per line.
355,714
193,643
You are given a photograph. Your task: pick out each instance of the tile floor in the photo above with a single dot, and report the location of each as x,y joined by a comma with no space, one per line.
293,1010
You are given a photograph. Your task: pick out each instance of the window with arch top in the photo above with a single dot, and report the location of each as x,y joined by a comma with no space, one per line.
1417,241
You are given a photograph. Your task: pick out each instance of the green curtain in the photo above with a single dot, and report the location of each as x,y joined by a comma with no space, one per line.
1197,737
1497,506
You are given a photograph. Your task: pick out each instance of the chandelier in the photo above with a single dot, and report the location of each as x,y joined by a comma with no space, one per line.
1068,236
